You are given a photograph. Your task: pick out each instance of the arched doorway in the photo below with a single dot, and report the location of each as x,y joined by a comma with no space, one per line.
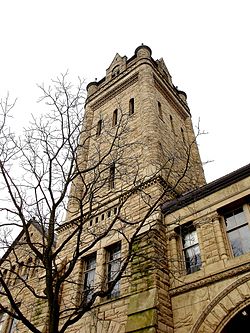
239,323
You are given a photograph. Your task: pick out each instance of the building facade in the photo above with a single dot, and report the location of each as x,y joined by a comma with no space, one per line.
188,241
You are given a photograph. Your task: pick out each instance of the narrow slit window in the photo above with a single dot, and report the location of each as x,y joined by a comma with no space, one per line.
113,268
160,110
183,136
131,106
115,117
99,128
112,176
171,123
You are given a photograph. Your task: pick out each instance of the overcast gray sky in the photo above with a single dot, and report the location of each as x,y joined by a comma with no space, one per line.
205,45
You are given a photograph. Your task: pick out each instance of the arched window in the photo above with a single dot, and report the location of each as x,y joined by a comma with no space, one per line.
115,117
115,71
131,106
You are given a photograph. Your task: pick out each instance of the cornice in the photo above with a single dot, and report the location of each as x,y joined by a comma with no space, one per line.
114,92
121,198
206,190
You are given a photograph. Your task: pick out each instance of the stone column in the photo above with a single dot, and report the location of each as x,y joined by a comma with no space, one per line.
219,237
100,269
174,264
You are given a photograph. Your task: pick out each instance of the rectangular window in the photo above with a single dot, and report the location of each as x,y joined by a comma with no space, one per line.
160,110
115,117
172,123
89,276
99,128
131,106
112,176
113,268
238,230
191,249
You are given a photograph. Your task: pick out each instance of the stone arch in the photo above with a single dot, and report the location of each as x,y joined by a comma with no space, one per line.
224,306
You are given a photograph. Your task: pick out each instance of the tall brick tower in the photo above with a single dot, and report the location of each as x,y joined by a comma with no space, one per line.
137,143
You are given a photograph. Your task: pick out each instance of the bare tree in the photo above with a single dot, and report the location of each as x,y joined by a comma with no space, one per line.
70,183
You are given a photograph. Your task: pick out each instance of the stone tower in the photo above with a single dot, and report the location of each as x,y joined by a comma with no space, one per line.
138,95
139,148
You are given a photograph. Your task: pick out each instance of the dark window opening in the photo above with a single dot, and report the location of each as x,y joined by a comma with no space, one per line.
115,71
99,127
160,110
112,176
115,117
172,123
131,106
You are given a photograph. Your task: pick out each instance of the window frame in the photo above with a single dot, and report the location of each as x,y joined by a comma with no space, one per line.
12,325
131,106
112,176
172,124
160,113
111,263
87,291
229,213
99,127
186,231
115,118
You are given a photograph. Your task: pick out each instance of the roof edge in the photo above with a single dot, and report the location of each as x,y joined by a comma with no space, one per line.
210,188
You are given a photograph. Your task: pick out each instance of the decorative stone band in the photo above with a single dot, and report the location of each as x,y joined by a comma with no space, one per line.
115,91
211,279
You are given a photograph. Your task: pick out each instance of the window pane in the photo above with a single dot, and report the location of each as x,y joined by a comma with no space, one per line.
116,290
91,263
190,239
193,259
240,240
114,268
235,218
89,276
115,252
89,279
